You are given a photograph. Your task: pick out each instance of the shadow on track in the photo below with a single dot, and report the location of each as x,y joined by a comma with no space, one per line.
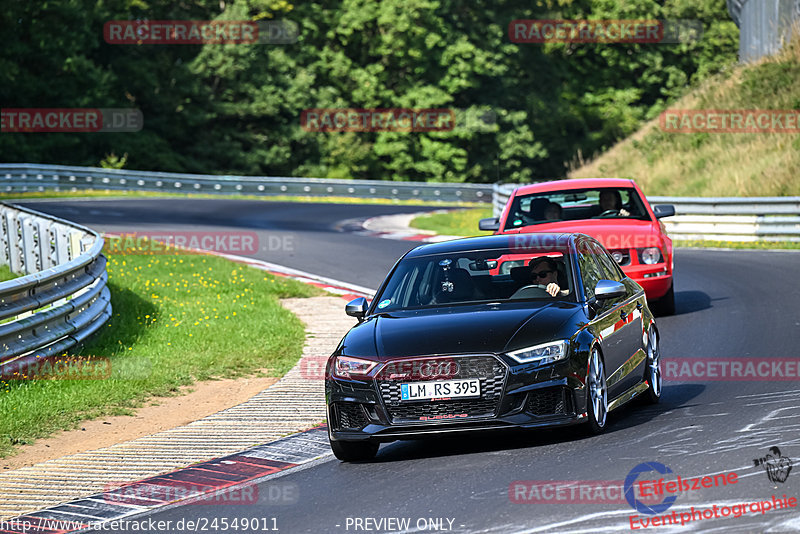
693,301
632,415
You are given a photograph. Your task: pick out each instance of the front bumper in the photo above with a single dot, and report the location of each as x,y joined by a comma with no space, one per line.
512,396
654,279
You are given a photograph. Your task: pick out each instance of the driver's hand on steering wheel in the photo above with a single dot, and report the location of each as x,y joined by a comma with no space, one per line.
623,212
553,289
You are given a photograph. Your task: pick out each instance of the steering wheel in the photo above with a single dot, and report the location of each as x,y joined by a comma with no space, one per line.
609,212
532,291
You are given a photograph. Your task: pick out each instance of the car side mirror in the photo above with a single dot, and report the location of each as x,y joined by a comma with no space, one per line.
357,308
492,224
663,210
608,289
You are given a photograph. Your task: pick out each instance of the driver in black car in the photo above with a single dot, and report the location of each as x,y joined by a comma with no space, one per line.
544,272
610,200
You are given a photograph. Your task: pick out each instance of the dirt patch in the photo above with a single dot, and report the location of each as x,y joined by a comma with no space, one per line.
205,398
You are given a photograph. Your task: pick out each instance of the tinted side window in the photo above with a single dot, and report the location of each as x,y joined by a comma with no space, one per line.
590,272
608,267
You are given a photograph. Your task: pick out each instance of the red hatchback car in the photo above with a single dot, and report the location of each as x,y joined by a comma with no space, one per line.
615,212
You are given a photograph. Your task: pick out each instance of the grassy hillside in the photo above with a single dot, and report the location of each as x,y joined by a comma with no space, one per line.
717,164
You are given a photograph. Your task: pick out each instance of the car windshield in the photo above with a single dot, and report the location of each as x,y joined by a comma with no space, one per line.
477,276
573,205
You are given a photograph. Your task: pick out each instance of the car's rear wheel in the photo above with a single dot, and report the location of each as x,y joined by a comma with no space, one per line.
666,304
354,451
652,372
597,394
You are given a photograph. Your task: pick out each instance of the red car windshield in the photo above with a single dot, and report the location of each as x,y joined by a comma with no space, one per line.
573,205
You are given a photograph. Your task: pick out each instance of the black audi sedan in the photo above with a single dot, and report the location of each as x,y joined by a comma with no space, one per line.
484,333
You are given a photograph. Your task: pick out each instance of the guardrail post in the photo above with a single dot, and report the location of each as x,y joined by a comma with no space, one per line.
74,245
30,244
4,242
61,243
15,258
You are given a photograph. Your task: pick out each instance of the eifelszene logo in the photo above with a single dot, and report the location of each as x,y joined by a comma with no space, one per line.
636,504
776,465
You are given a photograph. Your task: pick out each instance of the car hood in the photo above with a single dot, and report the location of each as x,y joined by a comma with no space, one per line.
459,329
612,233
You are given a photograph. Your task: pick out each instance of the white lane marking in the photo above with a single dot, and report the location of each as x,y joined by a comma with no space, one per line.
267,266
790,392
772,416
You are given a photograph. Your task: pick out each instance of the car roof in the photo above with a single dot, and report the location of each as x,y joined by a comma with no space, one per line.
581,183
559,240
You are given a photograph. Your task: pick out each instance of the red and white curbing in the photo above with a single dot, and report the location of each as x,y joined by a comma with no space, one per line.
337,287
398,227
206,482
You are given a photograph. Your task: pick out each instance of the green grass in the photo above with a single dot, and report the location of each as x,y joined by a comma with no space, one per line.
176,319
743,245
456,222
717,164
114,194
6,274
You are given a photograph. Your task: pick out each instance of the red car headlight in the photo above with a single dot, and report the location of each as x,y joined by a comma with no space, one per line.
649,255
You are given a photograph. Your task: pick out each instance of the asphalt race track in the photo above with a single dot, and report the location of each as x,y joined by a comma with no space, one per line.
729,304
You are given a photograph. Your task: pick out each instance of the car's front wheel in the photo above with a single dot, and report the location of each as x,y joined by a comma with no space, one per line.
597,394
652,372
354,451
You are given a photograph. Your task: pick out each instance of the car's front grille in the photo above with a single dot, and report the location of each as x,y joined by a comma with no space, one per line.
350,416
549,401
488,369
622,256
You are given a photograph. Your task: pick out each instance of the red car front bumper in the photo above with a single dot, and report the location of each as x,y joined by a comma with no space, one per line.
655,279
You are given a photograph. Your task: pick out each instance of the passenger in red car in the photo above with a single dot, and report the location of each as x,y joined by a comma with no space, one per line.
553,211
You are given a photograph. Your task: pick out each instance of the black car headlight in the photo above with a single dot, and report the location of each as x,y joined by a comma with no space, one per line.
649,255
350,367
541,354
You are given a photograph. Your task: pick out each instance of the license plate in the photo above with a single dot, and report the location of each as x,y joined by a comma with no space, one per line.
435,389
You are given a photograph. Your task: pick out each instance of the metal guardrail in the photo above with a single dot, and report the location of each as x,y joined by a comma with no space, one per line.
62,297
24,177
764,25
717,219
